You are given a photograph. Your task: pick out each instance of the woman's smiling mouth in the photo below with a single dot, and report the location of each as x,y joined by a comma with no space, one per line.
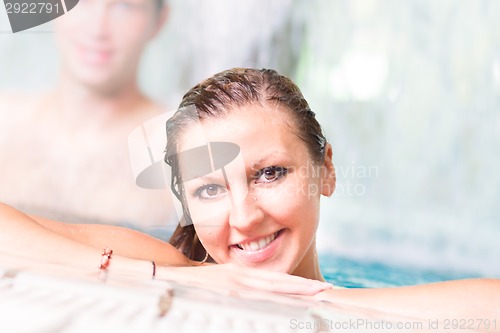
258,250
258,244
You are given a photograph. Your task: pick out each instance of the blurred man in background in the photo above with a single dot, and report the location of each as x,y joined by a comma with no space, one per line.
64,154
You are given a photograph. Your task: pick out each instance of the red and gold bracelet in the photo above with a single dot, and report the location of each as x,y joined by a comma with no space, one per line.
105,259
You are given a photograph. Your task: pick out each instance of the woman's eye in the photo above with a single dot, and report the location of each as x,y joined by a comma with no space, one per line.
210,191
270,174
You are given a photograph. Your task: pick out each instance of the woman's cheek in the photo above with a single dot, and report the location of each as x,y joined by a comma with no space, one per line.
297,189
211,235
208,212
283,199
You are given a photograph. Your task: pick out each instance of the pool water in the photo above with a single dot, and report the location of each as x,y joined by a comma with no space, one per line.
351,273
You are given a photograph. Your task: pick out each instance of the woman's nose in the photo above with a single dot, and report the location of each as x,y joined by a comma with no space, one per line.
246,213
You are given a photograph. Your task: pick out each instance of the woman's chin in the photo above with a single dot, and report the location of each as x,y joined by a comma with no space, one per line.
271,265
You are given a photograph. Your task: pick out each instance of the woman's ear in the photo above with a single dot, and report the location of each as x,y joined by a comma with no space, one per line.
329,179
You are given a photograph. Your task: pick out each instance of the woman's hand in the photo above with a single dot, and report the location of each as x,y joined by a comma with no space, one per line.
231,276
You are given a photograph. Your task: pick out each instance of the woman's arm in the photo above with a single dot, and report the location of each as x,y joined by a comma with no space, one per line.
124,241
81,246
469,299
22,236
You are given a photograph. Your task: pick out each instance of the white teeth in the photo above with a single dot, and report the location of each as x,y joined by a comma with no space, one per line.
263,242
257,245
254,246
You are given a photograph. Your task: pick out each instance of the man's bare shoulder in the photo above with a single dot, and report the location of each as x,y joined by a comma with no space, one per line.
10,98
15,106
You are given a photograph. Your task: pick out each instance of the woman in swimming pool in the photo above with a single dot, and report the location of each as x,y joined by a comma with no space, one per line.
249,164
262,208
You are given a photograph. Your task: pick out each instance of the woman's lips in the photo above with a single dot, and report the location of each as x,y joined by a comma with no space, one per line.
259,250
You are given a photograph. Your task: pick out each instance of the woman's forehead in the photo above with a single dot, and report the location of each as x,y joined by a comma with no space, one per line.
255,130
252,124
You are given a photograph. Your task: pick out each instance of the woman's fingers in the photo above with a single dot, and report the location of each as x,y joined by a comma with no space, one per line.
279,282
283,285
232,276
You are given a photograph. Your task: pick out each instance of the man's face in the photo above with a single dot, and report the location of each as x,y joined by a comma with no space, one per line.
101,41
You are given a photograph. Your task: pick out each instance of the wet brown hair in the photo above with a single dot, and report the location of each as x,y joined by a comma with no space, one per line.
216,97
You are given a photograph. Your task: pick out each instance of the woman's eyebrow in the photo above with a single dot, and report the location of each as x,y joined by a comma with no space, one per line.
215,177
270,157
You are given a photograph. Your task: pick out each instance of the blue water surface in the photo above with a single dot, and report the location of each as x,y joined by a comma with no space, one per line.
352,273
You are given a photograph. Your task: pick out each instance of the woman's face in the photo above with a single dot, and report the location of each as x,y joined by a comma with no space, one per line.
262,208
